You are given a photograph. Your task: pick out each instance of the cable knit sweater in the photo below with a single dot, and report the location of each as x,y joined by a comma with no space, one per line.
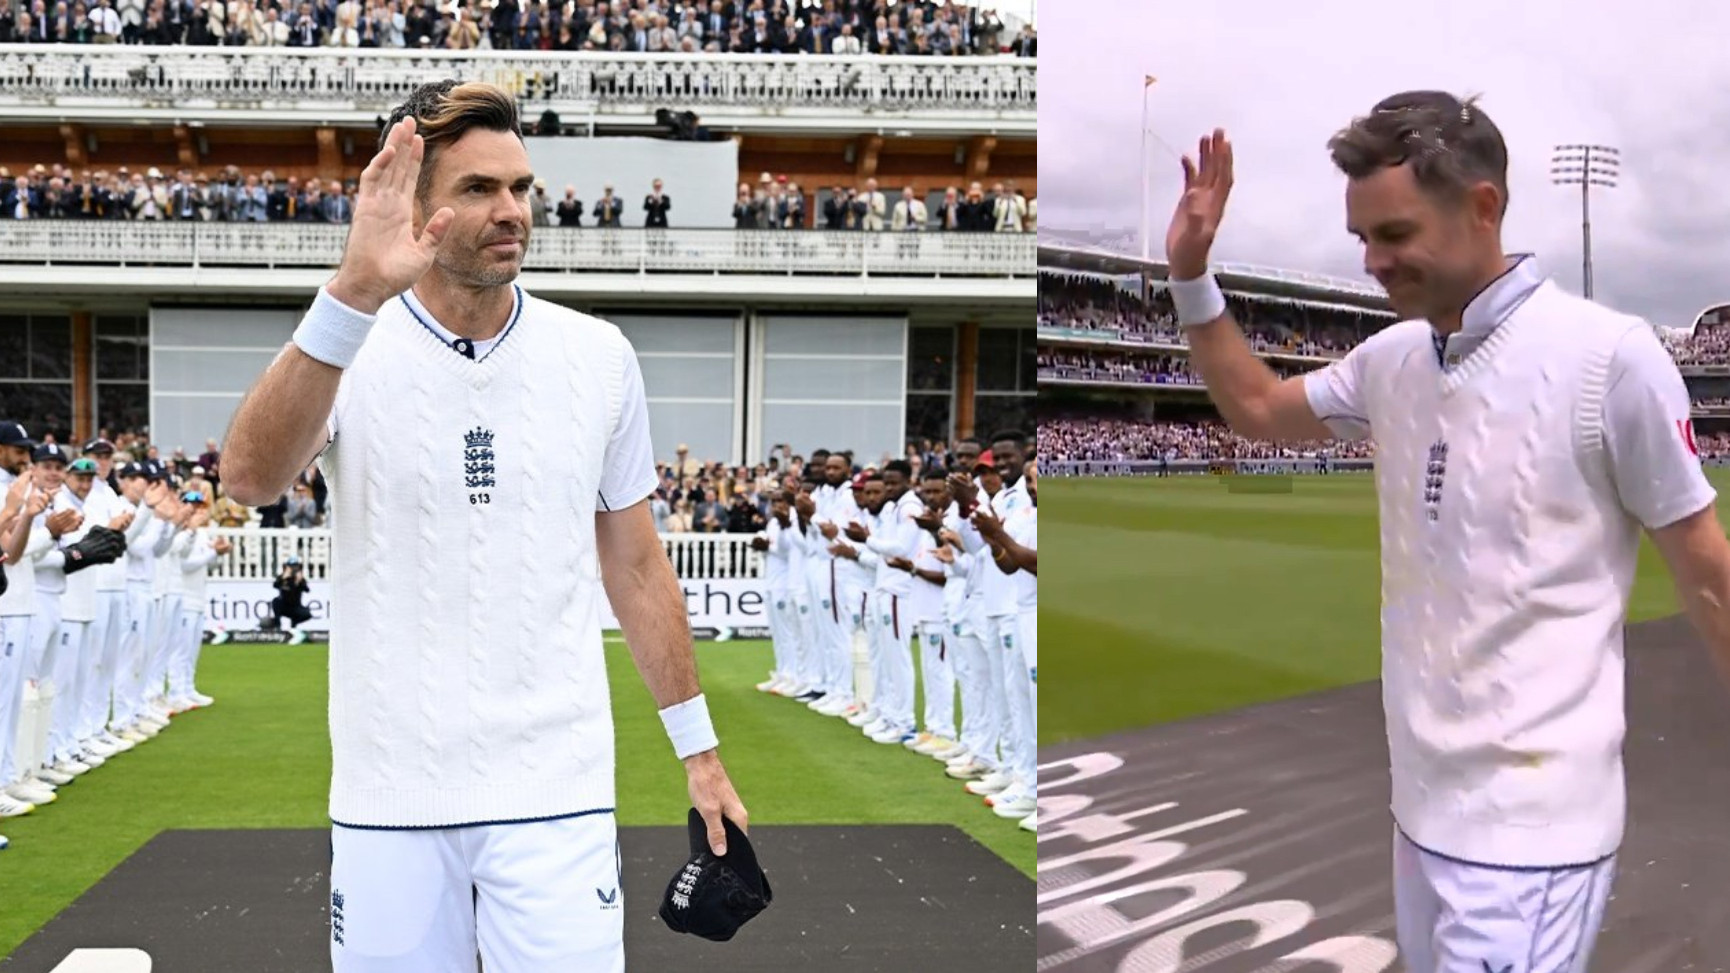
1513,484
467,680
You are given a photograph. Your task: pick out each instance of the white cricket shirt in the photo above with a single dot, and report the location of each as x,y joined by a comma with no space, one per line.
1512,485
467,678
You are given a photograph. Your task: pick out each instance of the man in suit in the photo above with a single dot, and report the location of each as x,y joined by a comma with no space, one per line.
337,207
907,219
182,197
949,215
876,207
1008,209
909,215
607,209
21,200
252,203
656,205
835,209
570,208
976,211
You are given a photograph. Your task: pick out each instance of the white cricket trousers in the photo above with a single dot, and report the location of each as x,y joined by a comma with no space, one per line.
779,639
44,626
852,610
14,648
1028,628
890,627
829,640
981,699
527,898
103,653
183,661
1457,917
164,616
71,670
134,653
1003,640
938,672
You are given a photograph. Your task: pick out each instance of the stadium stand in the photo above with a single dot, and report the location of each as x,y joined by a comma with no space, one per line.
177,186
638,26
1109,353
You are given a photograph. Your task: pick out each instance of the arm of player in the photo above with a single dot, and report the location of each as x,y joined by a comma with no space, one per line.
40,542
895,538
650,606
1654,465
16,533
199,557
1254,400
285,419
165,533
141,536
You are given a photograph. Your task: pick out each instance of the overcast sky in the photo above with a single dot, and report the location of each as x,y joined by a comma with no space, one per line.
1280,77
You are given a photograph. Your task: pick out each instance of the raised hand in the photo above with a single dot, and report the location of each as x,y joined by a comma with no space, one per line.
1195,222
38,502
19,491
120,521
63,522
384,255
961,485
987,524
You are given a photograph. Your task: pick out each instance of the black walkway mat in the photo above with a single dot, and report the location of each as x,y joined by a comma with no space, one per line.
884,897
1267,834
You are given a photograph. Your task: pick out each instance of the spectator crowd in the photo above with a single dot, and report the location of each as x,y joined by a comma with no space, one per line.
924,28
1093,438
1272,326
56,192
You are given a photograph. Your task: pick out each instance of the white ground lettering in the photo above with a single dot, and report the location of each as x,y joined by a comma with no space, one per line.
1093,922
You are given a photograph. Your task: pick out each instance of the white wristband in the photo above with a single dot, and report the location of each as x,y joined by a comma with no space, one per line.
332,332
1197,301
689,728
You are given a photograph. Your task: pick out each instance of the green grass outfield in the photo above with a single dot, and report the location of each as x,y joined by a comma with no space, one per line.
260,758
1172,597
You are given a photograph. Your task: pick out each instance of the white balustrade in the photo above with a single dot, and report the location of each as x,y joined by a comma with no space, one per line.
193,80
258,554
551,249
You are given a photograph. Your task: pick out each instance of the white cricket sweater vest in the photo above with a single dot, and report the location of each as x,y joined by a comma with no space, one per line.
141,546
78,602
195,564
467,678
110,576
166,581
1507,562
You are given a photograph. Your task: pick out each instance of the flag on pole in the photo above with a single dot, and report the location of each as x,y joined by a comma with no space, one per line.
1149,80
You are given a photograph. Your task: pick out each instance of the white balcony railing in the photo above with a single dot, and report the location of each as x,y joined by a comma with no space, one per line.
551,249
257,554
350,85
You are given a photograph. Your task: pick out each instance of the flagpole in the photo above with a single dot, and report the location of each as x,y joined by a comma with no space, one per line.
1142,171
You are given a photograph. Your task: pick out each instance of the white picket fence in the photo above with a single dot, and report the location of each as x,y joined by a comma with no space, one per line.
258,554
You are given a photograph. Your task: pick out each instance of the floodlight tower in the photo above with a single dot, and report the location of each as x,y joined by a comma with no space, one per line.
1586,166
